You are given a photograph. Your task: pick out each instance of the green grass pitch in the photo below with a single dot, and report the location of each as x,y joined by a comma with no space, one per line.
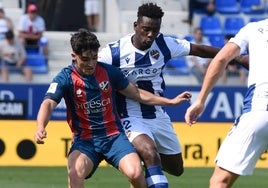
108,177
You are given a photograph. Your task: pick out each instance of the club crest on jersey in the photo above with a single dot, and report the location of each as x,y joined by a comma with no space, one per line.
104,86
154,54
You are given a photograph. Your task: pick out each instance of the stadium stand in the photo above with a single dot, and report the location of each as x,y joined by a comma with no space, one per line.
38,63
216,40
177,66
233,24
171,23
255,19
227,6
211,25
119,18
188,37
246,6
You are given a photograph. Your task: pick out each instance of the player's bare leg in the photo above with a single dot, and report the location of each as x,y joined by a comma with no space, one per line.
222,178
130,166
172,164
148,152
79,167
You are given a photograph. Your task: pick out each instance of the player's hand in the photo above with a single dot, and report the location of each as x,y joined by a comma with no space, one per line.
185,96
193,112
39,136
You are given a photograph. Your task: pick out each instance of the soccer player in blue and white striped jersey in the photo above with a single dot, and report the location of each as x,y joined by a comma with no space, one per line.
142,56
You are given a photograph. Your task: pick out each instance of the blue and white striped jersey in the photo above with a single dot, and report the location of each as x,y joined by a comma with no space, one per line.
143,68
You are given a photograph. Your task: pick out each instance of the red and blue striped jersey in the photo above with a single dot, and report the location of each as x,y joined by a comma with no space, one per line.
90,100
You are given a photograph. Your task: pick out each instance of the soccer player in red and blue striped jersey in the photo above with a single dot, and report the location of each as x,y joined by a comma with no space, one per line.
88,88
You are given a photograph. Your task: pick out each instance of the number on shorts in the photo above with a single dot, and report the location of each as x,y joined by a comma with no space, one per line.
126,124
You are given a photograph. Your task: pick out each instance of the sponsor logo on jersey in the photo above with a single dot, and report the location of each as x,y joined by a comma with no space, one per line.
52,88
127,60
79,93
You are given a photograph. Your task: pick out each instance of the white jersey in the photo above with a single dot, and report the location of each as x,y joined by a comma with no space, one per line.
255,34
143,68
248,138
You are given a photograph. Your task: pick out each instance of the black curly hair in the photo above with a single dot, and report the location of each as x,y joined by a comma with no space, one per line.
83,40
150,10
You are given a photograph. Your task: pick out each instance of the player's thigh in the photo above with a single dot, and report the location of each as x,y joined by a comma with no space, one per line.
144,143
134,127
83,158
142,139
147,150
115,148
166,139
79,164
245,143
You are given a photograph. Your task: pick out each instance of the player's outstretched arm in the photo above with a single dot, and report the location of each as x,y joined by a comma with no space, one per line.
206,51
148,98
43,117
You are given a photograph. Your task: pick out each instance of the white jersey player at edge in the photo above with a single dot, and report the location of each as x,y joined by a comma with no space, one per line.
248,137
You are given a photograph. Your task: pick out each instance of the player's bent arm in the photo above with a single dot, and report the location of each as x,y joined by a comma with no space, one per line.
43,118
214,71
148,98
216,68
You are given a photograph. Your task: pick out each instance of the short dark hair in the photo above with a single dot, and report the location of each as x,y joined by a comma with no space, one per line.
83,40
150,10
9,34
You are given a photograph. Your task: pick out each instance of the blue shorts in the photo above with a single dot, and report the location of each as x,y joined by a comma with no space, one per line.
112,149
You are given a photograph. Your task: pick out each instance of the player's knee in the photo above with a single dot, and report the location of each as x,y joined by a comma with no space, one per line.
75,175
135,174
218,181
212,182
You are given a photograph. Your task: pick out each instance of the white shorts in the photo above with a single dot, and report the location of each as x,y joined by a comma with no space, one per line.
91,7
159,129
244,144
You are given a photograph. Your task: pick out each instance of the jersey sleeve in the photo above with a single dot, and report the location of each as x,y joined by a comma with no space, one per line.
178,47
57,87
119,79
105,55
241,38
